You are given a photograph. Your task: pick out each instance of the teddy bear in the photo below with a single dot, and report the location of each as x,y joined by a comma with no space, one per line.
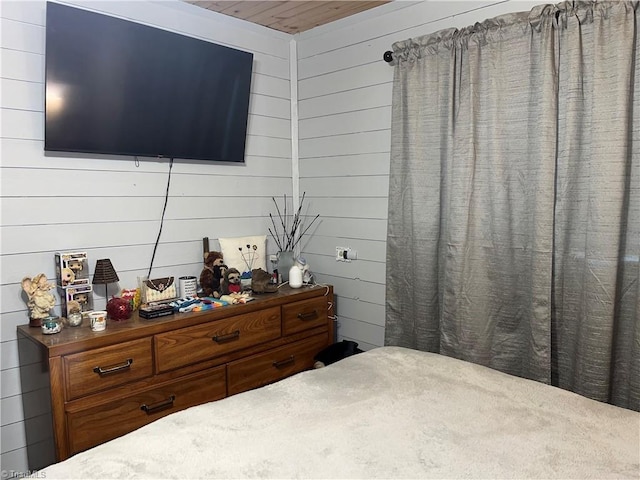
232,282
218,278
212,274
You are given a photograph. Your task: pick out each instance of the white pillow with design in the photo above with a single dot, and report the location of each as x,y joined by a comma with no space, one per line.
244,253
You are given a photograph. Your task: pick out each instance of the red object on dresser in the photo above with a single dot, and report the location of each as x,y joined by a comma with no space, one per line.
119,309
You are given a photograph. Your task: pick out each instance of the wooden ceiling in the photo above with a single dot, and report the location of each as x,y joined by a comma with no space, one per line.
291,16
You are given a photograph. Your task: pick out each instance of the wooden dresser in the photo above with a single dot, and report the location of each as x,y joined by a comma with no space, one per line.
105,384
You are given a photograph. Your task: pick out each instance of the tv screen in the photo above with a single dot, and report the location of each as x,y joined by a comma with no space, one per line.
119,87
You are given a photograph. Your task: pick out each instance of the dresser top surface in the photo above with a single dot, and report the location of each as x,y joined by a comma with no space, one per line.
82,337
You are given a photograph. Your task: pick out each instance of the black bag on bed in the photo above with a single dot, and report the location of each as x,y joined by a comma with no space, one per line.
336,352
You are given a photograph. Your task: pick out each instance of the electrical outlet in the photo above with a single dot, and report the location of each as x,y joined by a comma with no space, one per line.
345,254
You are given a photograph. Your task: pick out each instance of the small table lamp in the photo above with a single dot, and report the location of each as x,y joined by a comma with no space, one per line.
104,273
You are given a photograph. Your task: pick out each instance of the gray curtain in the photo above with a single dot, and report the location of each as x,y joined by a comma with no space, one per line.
514,198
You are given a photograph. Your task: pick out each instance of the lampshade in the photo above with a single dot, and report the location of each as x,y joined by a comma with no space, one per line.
104,272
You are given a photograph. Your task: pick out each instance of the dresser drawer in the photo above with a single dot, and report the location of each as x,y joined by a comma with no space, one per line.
304,315
102,368
195,344
274,364
98,424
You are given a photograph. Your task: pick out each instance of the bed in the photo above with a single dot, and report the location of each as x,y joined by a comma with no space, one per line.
390,412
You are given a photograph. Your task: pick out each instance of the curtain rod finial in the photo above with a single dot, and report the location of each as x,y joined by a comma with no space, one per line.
388,56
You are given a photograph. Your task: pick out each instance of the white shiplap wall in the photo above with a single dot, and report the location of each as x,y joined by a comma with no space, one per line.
344,92
345,118
109,206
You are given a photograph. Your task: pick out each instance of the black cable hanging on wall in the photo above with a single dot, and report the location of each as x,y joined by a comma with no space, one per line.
164,209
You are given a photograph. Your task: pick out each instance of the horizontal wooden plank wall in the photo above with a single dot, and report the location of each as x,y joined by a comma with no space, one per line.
345,118
110,206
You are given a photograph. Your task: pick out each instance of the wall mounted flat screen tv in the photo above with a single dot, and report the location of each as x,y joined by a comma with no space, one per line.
118,87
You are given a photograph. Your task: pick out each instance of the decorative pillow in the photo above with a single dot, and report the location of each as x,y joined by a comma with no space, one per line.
244,253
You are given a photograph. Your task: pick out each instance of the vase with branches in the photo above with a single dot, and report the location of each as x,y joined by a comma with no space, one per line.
287,230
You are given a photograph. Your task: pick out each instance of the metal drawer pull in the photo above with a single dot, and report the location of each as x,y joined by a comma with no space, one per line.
149,409
118,368
284,363
226,338
308,316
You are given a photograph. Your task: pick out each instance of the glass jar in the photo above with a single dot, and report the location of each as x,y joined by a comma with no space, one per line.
51,325
74,319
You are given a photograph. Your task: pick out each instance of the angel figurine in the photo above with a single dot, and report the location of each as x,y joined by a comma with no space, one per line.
40,300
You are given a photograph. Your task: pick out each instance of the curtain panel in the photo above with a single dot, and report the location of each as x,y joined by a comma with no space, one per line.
514,197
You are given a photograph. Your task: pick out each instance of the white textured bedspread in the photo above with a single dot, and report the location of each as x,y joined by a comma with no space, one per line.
387,413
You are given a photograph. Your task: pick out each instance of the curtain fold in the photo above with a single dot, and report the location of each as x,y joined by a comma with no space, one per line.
597,231
514,201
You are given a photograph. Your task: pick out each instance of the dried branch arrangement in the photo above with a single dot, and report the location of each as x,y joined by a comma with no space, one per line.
291,225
